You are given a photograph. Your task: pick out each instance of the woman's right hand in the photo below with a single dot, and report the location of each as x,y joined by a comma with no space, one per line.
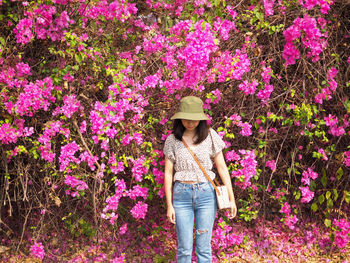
171,214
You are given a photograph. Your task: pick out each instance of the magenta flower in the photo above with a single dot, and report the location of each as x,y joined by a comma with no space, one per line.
123,229
71,105
290,221
23,31
309,173
67,155
246,128
139,210
37,250
120,259
268,5
286,209
248,88
271,164
347,158
306,194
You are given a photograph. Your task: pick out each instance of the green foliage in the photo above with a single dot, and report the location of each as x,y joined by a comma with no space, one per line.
78,226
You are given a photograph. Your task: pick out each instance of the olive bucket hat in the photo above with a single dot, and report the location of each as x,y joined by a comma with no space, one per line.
191,108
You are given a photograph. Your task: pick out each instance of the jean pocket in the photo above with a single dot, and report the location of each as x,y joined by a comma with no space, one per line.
206,187
178,188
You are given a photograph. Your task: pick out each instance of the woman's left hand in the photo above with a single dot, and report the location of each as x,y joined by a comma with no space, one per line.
233,210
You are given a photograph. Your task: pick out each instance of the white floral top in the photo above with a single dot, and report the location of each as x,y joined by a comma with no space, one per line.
186,168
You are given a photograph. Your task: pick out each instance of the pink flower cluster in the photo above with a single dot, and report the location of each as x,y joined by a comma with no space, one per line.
245,126
67,155
137,191
307,175
37,250
119,9
306,194
227,67
121,101
116,167
271,164
290,219
42,21
223,27
137,137
139,169
347,158
266,73
159,179
139,210
196,54
91,160
264,94
76,185
312,39
248,88
71,105
112,202
324,4
342,235
225,237
332,123
268,5
23,31
35,96
326,92
50,131
247,167
120,259
10,133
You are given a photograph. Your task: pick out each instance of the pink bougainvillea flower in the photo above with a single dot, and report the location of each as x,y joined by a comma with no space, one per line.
347,158
37,250
268,5
307,174
271,164
306,194
139,210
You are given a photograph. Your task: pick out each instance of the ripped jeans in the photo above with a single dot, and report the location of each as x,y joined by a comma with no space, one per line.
194,201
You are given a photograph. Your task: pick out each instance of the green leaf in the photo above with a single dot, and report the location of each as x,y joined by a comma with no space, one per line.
340,173
347,196
314,207
324,180
328,195
330,203
321,199
2,41
327,222
297,196
336,195
78,58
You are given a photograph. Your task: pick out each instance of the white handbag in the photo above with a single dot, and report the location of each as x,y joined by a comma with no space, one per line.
222,196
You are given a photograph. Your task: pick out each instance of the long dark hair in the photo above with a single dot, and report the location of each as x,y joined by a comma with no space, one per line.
202,130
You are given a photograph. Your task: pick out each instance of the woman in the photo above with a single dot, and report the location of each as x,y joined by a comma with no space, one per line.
192,196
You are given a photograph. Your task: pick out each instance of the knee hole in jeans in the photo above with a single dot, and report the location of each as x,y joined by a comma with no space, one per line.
199,232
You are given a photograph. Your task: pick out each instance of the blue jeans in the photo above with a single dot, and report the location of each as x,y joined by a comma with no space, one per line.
194,201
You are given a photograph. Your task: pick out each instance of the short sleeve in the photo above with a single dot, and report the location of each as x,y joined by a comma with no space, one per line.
168,149
217,143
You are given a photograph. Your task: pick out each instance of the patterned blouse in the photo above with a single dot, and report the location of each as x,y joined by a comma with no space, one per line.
186,168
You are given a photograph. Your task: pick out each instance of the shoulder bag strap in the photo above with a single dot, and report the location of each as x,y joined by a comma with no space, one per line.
201,167
212,145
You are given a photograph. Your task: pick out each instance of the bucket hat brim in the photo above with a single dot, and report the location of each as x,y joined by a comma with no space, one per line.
190,116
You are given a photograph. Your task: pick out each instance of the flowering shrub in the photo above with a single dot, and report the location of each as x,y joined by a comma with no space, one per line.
87,91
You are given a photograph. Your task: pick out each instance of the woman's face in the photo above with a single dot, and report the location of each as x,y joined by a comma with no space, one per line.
189,124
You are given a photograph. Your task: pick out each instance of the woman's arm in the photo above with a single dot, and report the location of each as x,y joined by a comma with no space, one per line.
168,183
225,177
